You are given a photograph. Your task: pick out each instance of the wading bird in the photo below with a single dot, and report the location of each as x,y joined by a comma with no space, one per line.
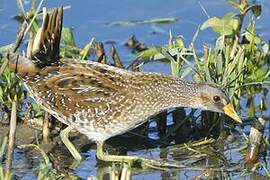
101,101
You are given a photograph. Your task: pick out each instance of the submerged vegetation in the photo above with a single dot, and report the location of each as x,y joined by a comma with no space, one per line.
238,62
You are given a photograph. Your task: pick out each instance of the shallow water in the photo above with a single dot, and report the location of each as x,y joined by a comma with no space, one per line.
94,19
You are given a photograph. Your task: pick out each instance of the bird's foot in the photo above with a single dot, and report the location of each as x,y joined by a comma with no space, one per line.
135,161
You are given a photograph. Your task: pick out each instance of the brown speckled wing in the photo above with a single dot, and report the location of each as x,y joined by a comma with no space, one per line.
70,89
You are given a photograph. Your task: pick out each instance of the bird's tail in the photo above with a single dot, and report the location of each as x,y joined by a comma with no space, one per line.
43,50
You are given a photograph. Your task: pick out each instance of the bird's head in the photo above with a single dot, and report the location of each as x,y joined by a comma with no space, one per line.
214,99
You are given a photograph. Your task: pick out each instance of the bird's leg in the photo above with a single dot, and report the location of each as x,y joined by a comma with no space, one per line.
116,158
64,134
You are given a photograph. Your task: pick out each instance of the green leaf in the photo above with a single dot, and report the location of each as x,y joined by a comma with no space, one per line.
38,112
149,53
175,68
250,34
67,37
35,26
259,74
226,26
252,38
207,71
166,54
85,51
179,43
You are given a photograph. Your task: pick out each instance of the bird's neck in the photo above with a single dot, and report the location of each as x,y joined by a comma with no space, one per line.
175,92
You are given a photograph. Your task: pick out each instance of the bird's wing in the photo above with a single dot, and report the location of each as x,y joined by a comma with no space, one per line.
81,88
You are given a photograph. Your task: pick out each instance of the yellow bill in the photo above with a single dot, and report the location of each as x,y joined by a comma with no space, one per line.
229,111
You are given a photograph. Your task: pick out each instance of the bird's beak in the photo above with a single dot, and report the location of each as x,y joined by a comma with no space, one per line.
229,111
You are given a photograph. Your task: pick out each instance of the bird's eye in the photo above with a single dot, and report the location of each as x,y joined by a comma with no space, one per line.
216,98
